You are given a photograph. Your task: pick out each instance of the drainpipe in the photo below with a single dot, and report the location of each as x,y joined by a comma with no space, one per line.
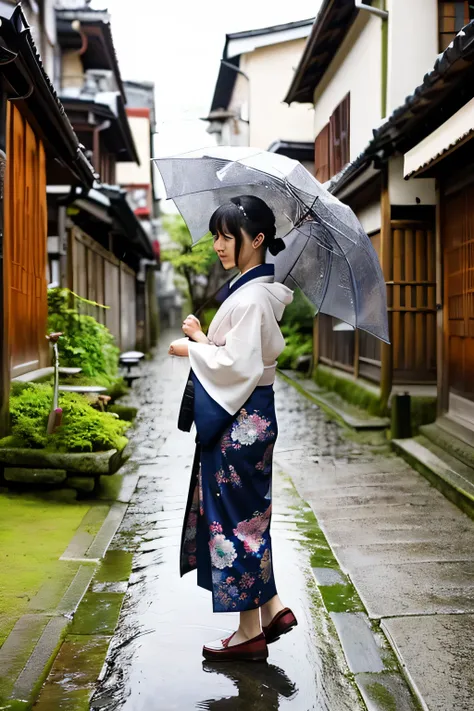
361,5
383,14
95,141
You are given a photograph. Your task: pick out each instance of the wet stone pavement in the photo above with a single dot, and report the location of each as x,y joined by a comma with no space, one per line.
154,661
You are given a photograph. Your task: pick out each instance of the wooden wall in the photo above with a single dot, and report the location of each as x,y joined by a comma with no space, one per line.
411,297
412,302
97,275
25,227
458,248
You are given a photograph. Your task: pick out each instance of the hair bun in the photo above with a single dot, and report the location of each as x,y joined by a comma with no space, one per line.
276,246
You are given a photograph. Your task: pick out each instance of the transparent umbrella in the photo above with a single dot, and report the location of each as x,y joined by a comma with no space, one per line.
328,255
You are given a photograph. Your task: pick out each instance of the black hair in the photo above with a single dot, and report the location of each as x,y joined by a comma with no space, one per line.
250,213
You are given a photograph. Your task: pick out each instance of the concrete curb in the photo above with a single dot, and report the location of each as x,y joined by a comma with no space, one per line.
368,654
366,423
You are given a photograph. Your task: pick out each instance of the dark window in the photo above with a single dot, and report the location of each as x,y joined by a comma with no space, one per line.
332,146
453,16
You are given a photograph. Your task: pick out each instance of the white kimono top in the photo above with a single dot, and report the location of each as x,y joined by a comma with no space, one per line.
245,342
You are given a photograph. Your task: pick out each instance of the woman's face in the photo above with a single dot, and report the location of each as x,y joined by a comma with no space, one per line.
225,244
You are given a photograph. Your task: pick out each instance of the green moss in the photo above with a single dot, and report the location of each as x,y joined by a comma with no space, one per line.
382,696
33,534
83,428
351,390
74,674
125,412
423,411
341,598
109,487
98,613
118,389
116,567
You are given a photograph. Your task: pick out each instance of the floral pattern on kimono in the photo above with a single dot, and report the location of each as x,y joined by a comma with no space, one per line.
236,481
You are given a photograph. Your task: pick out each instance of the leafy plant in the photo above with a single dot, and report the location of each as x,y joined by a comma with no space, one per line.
83,429
297,345
297,327
299,315
86,343
188,261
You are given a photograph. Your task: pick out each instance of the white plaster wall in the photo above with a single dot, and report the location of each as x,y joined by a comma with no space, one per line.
271,70
412,47
131,173
356,68
420,191
370,217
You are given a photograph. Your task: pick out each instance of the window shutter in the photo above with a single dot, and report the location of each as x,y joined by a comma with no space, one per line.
339,137
321,155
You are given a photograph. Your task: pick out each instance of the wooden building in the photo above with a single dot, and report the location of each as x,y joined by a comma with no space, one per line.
359,64
33,130
435,130
98,247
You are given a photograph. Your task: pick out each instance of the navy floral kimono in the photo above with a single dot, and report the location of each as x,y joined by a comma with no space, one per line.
226,532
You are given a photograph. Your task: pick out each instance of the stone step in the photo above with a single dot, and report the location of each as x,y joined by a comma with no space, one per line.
447,473
451,436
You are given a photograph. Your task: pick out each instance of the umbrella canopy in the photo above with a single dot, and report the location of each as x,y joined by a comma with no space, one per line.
328,255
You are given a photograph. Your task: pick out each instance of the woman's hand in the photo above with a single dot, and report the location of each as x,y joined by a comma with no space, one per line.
191,326
179,348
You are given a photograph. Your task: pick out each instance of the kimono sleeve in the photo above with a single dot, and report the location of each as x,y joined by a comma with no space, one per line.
230,373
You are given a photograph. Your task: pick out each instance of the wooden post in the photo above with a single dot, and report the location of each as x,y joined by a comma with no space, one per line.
5,213
442,321
386,376
315,345
356,353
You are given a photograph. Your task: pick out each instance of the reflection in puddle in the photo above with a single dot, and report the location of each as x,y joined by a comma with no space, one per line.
258,688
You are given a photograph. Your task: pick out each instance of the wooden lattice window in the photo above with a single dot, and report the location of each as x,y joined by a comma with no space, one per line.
453,16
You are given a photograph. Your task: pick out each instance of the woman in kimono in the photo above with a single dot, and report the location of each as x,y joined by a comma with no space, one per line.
226,533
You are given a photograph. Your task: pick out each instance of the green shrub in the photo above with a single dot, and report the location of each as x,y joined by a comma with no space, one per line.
83,429
299,315
297,344
86,343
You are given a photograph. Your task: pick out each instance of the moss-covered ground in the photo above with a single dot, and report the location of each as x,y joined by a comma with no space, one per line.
34,532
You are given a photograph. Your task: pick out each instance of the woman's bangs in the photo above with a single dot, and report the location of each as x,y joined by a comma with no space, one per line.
226,221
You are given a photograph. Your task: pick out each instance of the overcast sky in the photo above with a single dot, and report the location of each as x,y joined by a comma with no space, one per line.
177,44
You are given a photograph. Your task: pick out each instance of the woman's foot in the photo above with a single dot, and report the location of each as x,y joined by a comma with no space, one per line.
283,622
269,611
226,650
